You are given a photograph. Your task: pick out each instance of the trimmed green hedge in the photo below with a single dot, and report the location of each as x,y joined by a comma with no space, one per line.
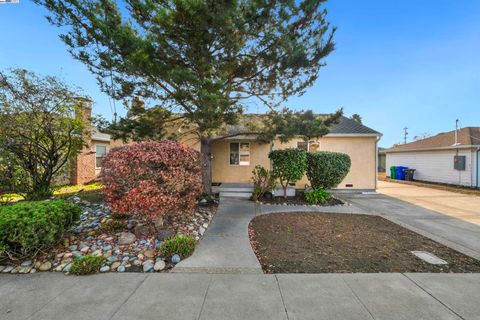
29,226
325,170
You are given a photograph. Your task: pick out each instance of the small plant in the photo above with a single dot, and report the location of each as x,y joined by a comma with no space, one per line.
114,225
88,264
179,244
316,196
289,166
263,181
30,226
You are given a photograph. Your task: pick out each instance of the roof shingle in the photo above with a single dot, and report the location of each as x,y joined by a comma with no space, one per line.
469,136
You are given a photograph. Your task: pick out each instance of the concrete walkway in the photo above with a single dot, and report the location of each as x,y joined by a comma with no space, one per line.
458,205
53,296
225,246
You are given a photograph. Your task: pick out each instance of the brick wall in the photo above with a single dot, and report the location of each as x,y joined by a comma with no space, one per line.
83,166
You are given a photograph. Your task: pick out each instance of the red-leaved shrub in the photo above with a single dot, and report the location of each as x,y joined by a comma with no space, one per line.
152,179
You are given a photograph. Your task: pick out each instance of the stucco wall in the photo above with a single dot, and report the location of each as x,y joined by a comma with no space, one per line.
436,166
222,171
361,150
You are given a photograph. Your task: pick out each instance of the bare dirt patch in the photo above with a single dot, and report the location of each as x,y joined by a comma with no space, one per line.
325,243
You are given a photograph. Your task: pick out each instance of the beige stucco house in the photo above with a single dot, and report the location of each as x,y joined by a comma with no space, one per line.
234,158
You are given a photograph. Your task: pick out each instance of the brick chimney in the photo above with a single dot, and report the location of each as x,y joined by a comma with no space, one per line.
83,166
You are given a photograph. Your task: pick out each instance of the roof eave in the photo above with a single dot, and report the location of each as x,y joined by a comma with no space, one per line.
332,135
469,146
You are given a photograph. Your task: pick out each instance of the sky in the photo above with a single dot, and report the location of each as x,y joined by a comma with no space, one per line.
410,63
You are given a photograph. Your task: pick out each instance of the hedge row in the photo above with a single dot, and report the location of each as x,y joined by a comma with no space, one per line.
325,170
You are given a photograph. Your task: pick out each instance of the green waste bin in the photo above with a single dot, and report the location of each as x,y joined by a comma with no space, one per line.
392,172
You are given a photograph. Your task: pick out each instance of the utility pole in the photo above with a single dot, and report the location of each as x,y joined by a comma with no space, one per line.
456,132
405,134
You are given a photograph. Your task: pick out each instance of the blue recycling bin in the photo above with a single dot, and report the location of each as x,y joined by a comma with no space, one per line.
400,172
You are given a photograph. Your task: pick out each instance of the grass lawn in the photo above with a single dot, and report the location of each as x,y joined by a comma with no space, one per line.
88,192
323,243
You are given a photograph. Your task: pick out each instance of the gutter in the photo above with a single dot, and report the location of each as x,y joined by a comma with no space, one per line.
466,146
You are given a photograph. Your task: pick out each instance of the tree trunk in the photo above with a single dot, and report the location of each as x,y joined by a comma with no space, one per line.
206,151
285,190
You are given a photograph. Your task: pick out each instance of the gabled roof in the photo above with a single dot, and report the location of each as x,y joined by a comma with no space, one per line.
345,126
469,136
100,136
350,126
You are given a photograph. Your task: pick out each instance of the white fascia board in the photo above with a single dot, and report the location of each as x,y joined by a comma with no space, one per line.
436,148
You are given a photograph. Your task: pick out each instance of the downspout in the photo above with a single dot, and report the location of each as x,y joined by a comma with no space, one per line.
376,161
478,153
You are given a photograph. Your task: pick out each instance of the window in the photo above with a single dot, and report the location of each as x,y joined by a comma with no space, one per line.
100,152
302,145
310,146
239,153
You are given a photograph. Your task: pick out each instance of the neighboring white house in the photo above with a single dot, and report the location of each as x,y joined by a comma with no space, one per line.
449,157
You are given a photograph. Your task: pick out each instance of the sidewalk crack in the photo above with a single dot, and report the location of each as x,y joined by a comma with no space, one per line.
52,299
431,295
128,298
205,297
281,296
358,298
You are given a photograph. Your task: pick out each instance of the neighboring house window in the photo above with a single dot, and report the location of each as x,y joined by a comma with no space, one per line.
100,152
239,153
308,146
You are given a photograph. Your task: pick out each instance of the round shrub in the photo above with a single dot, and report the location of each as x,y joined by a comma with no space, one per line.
27,227
327,169
152,179
180,244
288,165
88,264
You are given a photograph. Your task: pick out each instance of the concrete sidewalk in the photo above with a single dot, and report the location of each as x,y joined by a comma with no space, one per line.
52,296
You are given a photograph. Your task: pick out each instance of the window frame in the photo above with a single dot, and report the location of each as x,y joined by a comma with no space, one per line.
239,153
309,143
96,154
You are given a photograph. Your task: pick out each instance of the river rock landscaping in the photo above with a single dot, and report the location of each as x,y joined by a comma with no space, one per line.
126,243
326,243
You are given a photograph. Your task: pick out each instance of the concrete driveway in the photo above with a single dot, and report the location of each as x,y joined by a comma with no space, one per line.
461,206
